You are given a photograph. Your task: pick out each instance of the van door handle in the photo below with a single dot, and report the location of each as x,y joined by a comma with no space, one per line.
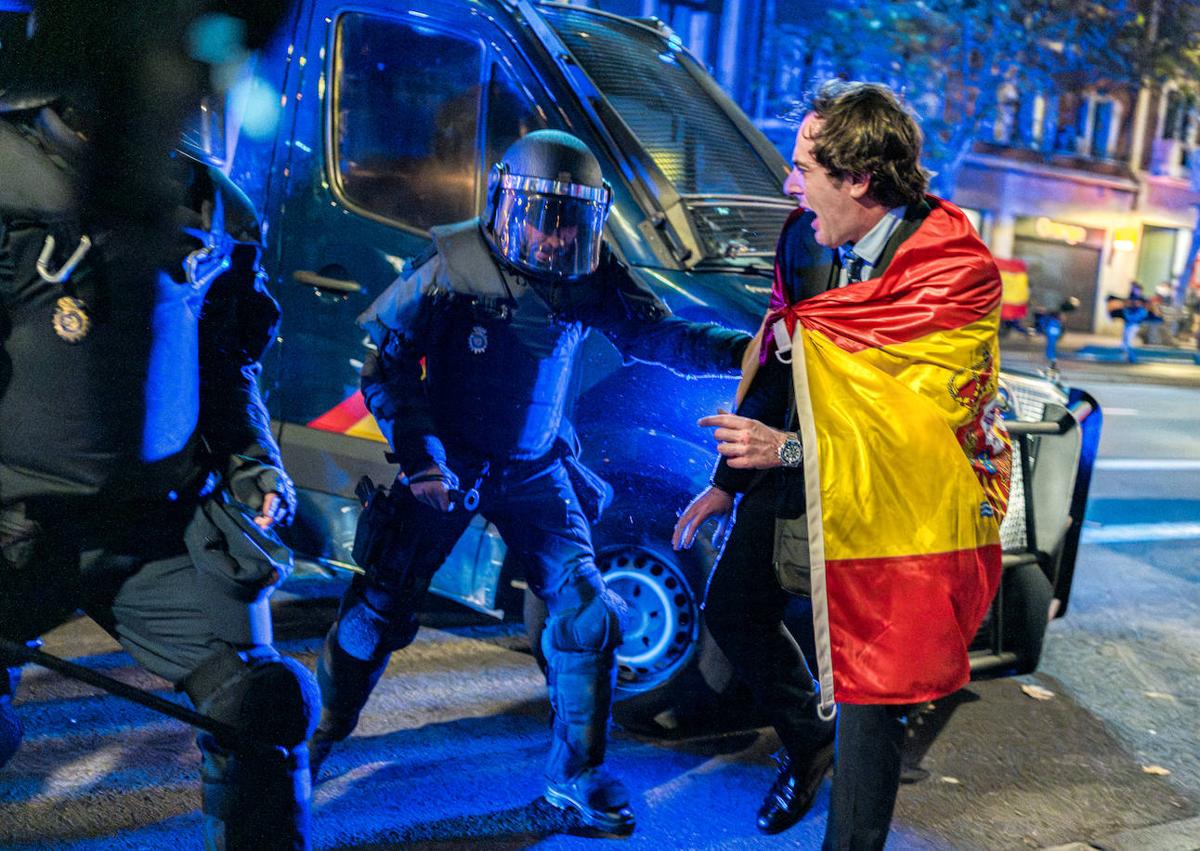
325,282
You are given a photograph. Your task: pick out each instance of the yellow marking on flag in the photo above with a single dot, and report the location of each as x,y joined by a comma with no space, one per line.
367,428
889,463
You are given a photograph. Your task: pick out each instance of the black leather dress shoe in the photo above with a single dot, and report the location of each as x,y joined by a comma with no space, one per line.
793,792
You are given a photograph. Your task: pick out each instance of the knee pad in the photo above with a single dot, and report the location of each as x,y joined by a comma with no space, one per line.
260,694
594,627
365,634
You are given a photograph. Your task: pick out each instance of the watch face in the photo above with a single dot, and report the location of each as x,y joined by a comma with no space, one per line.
791,453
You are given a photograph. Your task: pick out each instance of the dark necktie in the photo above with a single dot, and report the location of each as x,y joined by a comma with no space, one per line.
854,266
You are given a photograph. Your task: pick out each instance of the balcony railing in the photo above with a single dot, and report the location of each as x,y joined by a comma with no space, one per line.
1060,158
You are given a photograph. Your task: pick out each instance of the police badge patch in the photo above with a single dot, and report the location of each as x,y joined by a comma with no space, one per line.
477,340
71,322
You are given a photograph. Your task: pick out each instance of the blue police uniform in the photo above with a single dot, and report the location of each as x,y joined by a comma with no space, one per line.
133,439
471,371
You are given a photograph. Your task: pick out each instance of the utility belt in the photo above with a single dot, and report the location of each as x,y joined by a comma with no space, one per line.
380,535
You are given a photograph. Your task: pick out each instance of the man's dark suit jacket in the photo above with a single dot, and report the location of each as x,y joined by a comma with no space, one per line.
808,269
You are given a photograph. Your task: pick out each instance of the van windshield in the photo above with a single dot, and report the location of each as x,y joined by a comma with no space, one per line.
735,197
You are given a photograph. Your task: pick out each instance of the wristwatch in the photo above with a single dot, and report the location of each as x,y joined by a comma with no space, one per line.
791,452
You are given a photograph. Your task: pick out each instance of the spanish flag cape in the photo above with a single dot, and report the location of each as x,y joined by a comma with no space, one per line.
906,461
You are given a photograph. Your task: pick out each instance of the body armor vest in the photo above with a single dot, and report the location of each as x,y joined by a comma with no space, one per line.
99,371
499,365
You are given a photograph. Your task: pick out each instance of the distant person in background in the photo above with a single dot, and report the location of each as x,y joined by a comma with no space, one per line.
1049,315
1134,313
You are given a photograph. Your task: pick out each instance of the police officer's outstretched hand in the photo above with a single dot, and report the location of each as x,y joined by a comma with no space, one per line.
433,487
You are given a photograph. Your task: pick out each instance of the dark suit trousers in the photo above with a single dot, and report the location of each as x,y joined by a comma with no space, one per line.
744,608
866,776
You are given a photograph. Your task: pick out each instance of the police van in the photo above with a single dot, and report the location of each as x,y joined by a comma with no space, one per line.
389,115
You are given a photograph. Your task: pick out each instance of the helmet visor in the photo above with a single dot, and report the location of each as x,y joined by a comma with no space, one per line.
549,228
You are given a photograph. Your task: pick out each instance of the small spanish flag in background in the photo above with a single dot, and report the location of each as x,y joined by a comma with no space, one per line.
896,389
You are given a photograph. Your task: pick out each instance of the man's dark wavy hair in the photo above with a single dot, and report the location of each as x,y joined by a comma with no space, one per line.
867,131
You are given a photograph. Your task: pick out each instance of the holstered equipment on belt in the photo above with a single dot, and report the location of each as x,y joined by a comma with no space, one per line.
380,524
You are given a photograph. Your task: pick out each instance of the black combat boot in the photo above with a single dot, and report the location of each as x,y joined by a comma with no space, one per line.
345,683
255,801
581,690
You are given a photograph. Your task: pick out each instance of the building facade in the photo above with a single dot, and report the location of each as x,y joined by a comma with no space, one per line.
1092,185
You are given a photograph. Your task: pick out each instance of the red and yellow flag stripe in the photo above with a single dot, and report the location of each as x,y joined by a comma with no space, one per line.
350,417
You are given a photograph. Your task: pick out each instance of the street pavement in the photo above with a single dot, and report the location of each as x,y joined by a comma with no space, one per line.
450,750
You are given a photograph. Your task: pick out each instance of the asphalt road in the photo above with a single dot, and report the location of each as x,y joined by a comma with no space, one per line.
449,752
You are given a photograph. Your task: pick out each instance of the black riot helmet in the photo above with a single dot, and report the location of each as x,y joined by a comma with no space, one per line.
546,206
22,87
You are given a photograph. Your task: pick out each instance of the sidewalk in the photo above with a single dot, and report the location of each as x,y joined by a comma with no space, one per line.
1100,357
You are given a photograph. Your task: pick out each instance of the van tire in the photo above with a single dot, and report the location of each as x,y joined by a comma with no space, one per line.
1026,609
686,681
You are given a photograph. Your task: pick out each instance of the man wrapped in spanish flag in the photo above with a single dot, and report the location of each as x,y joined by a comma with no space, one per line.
871,460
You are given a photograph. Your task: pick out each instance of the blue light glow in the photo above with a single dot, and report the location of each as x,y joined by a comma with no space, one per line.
216,39
257,103
172,386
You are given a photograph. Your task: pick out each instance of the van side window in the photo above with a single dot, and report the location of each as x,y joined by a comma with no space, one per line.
405,110
512,113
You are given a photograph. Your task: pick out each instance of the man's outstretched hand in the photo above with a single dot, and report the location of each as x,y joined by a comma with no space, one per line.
712,503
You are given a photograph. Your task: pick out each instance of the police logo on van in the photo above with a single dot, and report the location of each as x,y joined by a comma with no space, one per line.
477,340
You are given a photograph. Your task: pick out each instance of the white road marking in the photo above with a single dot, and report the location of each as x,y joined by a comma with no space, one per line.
1120,412
1161,464
1139,532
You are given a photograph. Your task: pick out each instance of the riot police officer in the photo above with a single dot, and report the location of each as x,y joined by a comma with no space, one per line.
493,315
139,479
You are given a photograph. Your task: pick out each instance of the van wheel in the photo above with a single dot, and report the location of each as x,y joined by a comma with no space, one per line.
1026,612
670,672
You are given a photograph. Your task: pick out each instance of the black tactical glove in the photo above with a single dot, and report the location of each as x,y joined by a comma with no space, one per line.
250,480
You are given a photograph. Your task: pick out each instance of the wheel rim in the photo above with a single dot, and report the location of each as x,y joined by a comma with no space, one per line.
663,624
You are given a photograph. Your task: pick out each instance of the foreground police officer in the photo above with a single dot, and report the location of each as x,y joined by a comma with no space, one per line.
495,312
139,480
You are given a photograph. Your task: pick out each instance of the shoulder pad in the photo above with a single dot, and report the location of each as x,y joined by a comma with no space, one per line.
241,219
469,267
35,183
415,263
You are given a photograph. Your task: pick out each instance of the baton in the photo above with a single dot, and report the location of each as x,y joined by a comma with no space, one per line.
219,729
